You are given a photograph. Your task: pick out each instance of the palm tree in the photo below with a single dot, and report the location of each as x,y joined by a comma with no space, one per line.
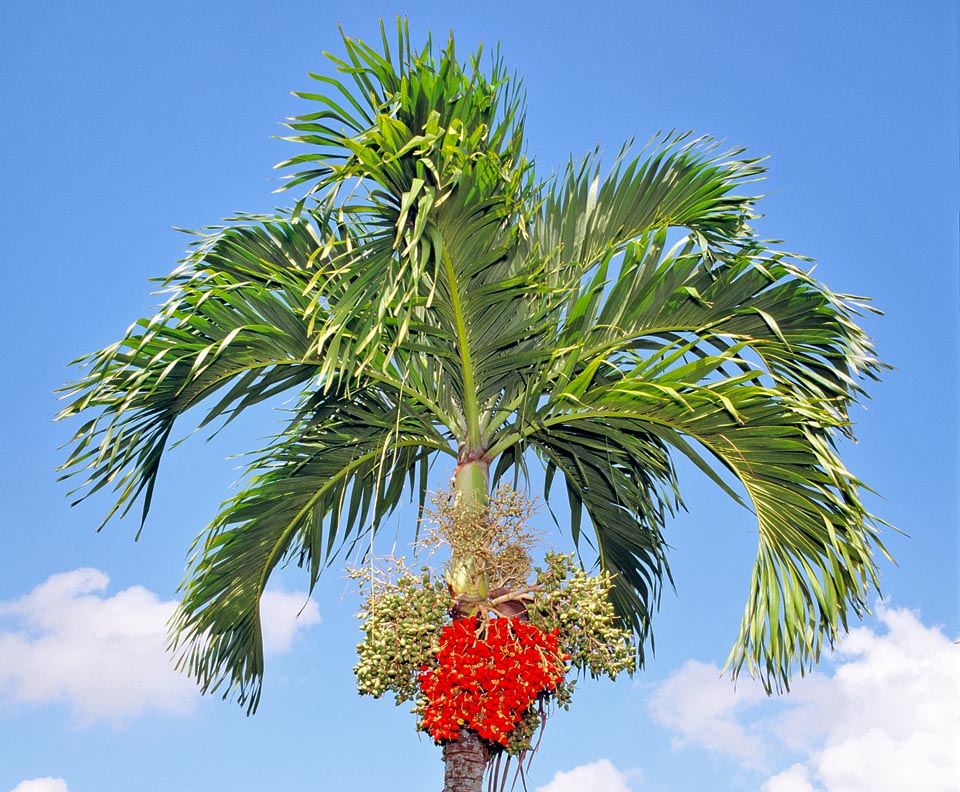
429,295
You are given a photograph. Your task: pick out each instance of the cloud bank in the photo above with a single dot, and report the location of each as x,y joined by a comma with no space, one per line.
885,720
105,656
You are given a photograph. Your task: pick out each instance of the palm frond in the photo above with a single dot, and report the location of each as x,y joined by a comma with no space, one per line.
620,475
429,145
815,562
338,471
231,335
677,183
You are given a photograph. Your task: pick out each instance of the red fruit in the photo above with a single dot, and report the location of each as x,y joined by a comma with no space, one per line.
488,682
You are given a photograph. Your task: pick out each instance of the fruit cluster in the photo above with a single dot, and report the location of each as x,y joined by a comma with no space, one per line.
487,676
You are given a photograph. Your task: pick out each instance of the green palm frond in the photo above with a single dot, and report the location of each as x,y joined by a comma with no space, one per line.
621,476
232,331
344,463
426,143
673,182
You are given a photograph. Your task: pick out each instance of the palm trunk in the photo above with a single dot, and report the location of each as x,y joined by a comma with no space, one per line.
465,759
464,762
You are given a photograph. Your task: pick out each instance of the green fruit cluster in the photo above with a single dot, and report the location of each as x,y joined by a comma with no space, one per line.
401,623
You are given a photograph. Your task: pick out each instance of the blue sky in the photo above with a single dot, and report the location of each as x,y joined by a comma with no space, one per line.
121,122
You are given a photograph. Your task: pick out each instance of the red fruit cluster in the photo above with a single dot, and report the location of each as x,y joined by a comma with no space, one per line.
488,682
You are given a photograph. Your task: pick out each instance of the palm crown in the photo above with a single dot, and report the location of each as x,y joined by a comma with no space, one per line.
429,295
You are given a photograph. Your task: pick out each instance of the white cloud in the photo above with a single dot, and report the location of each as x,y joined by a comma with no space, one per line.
794,779
600,776
105,656
702,707
283,614
41,785
887,719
